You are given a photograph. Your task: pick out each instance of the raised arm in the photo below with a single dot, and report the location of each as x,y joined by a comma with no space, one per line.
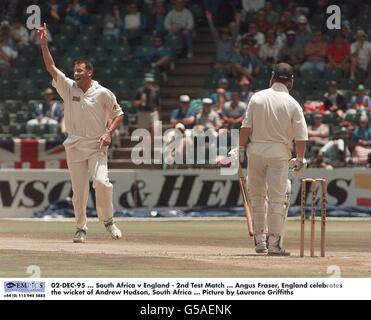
214,32
48,59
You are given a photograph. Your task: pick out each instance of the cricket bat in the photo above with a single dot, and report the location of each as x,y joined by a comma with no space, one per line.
246,202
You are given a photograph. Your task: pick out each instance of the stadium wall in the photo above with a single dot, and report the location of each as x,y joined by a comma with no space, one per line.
23,192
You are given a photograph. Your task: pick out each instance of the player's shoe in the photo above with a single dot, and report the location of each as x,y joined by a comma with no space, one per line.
113,230
261,243
274,248
277,251
80,236
261,247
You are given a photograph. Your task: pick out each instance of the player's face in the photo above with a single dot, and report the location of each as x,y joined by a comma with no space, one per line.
81,74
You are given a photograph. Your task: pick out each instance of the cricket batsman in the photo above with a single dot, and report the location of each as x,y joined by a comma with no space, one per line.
273,121
91,114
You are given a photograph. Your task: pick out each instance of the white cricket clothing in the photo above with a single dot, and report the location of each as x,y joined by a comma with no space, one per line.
86,116
276,119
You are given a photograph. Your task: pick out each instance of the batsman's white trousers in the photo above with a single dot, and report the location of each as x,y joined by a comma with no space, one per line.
267,177
84,158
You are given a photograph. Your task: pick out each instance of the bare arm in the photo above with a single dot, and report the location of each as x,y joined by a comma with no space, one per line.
48,59
116,121
106,137
245,133
300,149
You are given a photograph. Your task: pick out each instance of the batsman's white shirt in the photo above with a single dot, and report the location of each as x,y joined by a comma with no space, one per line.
85,114
276,119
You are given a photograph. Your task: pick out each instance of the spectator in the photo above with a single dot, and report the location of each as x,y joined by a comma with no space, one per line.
315,53
336,151
269,51
318,132
251,6
20,35
291,52
245,62
271,15
54,15
222,94
158,56
7,55
317,160
287,21
134,24
76,14
245,92
6,35
303,34
261,22
362,133
258,38
183,114
347,31
280,35
338,53
225,42
157,20
234,112
180,21
177,142
208,118
49,112
361,139
334,101
147,100
360,101
361,55
113,22
51,108
298,12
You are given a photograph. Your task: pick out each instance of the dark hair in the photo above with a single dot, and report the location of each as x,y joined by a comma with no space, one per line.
88,64
283,72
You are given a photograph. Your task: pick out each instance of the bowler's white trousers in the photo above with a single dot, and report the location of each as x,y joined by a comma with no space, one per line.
267,177
84,158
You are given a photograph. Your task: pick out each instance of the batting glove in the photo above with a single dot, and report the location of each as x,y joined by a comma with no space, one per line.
297,166
237,153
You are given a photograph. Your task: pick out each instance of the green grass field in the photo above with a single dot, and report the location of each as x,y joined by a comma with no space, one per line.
176,248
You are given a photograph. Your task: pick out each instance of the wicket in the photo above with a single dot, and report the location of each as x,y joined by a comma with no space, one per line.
314,186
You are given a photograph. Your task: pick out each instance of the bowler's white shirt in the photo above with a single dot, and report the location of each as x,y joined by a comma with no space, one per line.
86,114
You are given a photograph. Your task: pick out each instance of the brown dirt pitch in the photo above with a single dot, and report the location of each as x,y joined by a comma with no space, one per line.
177,248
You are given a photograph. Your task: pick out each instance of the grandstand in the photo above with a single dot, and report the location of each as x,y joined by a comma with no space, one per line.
118,68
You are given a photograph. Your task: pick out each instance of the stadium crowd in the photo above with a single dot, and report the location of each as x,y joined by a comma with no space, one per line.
132,41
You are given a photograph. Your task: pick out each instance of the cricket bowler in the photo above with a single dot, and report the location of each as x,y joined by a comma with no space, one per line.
91,114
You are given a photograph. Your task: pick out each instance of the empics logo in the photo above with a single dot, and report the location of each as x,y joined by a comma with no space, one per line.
23,286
